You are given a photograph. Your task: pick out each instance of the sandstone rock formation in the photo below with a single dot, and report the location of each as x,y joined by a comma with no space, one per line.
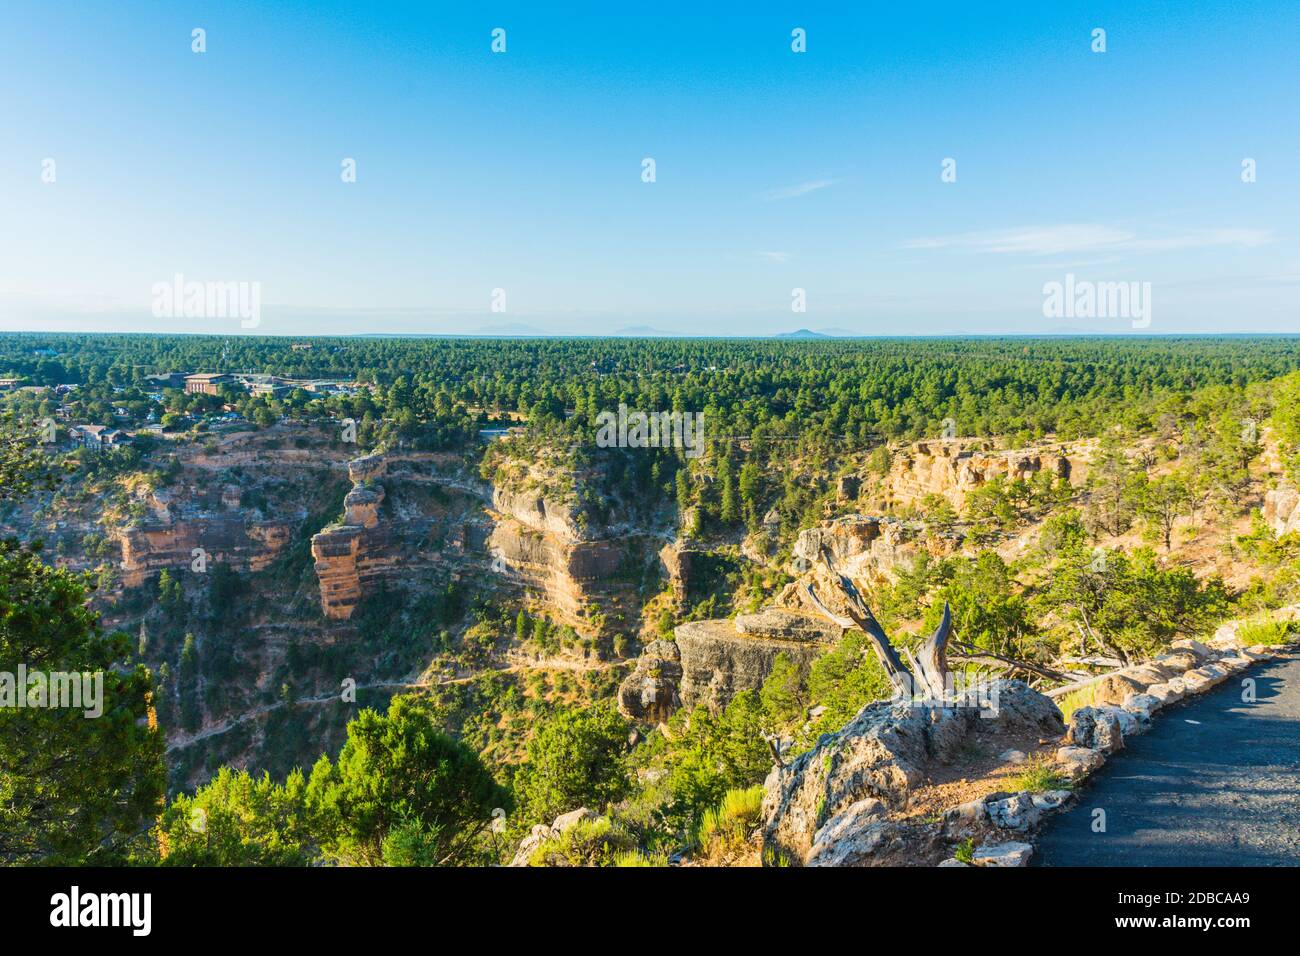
239,540
710,662
952,467
650,692
541,545
354,554
721,658
1282,510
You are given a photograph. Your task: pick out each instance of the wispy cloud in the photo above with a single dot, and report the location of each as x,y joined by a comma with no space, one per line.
798,189
774,256
1085,237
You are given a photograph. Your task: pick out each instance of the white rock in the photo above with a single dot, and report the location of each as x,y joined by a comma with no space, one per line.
1162,693
1196,647
1003,854
850,838
1199,679
972,811
1012,756
1128,722
953,861
1227,637
1079,761
1142,706
1051,799
1014,813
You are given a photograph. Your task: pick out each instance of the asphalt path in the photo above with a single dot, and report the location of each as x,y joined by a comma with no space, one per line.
1214,782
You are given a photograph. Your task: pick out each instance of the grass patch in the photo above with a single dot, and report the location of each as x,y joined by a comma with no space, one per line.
1083,697
729,825
1266,630
1039,775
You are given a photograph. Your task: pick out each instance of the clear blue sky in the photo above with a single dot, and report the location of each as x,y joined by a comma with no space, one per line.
775,170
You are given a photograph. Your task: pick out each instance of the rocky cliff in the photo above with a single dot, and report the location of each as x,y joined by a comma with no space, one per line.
952,467
710,662
577,569
401,515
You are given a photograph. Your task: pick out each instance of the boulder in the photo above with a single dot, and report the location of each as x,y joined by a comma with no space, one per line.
1143,706
541,833
1052,799
966,814
1227,637
1179,661
1164,693
1096,728
1203,678
1077,762
1113,688
853,837
888,748
1003,854
1202,652
1151,673
1012,756
953,861
1016,812
1129,725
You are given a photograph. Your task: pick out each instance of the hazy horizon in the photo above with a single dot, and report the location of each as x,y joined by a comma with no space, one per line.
517,179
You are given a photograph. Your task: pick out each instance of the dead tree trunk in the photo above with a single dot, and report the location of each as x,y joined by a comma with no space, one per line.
929,667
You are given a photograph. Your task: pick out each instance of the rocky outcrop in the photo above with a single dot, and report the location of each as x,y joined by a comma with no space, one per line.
722,658
884,752
553,551
239,540
1282,510
432,518
650,692
952,467
710,662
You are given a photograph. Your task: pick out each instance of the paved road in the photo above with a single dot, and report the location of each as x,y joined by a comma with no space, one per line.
1221,792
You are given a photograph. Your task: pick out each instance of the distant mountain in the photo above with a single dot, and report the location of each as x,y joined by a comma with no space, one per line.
645,332
802,334
509,329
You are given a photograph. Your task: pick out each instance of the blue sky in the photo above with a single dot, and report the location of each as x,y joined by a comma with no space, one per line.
775,170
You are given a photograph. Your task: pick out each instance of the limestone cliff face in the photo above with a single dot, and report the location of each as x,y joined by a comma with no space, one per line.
952,467
243,542
710,662
1282,510
541,545
719,661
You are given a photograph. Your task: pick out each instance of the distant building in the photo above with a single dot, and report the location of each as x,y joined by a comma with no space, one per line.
9,383
274,389
301,346
207,383
98,437
165,380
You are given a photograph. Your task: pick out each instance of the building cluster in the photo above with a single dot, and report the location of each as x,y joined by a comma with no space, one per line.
212,383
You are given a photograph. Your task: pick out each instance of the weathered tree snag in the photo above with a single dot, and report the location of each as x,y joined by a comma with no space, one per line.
926,671
929,669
